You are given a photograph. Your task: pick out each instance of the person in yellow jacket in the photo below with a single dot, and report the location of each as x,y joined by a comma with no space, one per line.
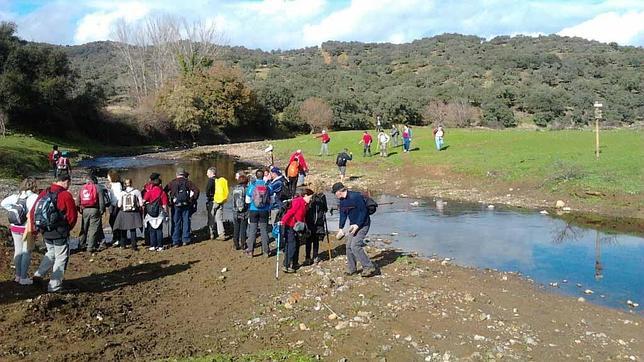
216,196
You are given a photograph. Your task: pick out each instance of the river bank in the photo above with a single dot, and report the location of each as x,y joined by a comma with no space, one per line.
208,299
427,181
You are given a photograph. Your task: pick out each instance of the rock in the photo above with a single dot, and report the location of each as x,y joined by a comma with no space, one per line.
363,314
632,304
588,291
530,341
415,273
221,277
341,325
559,204
428,358
479,338
543,212
224,270
288,305
408,338
554,285
303,327
332,316
566,208
415,203
468,298
490,206
581,299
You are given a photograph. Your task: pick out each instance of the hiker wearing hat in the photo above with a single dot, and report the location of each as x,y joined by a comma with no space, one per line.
182,195
353,207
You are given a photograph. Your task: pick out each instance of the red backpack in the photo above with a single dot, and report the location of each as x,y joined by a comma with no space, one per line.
62,163
89,195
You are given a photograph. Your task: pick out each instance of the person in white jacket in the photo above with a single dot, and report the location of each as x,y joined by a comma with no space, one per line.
383,140
20,205
116,189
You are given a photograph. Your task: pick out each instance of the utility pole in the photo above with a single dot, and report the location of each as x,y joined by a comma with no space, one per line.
598,116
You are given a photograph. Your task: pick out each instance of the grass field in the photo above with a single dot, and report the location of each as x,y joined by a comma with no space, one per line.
550,159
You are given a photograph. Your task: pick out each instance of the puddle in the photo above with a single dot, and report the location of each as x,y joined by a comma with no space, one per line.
540,247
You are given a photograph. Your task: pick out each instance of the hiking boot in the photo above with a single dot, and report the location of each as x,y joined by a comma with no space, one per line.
36,279
152,248
368,272
248,253
307,262
350,273
288,270
26,281
316,260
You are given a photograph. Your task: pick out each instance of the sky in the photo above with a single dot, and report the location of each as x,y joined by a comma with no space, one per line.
290,24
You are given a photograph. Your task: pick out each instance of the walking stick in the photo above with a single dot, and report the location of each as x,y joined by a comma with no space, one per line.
328,242
277,261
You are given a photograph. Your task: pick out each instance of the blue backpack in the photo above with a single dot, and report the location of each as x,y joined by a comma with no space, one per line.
47,217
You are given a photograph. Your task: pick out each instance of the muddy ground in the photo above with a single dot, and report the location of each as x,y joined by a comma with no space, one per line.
125,305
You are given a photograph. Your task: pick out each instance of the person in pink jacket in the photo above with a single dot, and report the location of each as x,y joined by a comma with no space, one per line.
294,221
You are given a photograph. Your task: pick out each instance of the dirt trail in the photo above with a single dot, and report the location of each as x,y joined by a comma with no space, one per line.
148,305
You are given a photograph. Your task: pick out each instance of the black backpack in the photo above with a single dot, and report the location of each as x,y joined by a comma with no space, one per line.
372,205
47,217
182,198
107,198
342,159
17,214
153,208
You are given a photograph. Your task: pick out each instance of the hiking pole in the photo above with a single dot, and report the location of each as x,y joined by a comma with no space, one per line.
328,241
277,261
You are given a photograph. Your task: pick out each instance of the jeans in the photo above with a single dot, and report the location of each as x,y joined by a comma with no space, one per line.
57,255
324,149
181,222
355,250
313,242
439,142
406,144
258,219
155,235
291,250
366,149
240,224
92,223
21,256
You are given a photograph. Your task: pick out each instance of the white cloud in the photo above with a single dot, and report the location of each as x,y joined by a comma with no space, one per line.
625,28
98,25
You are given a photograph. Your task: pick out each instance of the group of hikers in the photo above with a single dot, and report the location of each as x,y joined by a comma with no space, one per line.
270,202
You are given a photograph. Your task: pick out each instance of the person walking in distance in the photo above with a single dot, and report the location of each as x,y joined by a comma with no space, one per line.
394,133
324,145
303,168
240,212
92,207
354,208
366,142
214,209
406,136
341,162
439,132
259,197
294,222
155,203
18,208
183,194
53,158
54,215
383,140
63,165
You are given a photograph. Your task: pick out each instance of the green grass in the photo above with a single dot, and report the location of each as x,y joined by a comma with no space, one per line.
551,159
270,355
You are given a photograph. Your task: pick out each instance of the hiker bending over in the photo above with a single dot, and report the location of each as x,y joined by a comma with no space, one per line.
353,207
294,221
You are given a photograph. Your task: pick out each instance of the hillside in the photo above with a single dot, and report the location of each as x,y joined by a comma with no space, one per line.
550,80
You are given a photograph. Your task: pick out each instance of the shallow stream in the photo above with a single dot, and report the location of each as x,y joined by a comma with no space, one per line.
566,259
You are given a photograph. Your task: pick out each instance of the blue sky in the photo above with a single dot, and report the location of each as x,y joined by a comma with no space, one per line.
287,24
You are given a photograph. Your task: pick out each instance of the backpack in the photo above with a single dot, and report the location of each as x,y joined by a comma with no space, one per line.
62,163
17,213
47,217
107,198
89,195
239,198
285,192
182,198
221,190
153,208
260,196
372,205
293,169
341,160
129,201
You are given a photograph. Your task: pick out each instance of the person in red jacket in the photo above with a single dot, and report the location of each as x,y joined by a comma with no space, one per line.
366,142
53,158
56,234
324,148
156,211
294,221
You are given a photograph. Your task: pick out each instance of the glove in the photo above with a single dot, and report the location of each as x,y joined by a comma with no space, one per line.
353,229
340,234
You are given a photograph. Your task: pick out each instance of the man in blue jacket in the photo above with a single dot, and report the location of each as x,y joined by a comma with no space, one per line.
353,207
259,195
